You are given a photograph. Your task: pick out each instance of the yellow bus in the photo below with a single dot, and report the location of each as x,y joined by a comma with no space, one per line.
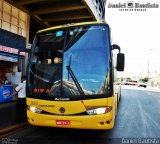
70,77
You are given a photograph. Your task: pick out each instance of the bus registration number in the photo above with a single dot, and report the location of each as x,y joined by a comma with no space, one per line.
63,122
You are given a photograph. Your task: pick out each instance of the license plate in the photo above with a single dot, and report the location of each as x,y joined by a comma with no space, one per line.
63,122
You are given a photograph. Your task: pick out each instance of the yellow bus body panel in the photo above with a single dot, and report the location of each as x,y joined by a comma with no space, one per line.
70,25
73,110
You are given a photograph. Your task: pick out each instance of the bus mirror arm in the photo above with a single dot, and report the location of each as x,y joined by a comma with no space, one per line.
114,46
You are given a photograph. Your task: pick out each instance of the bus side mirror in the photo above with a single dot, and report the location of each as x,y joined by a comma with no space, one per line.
120,62
120,58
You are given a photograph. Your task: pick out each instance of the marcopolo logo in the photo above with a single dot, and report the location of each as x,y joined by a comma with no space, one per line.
133,6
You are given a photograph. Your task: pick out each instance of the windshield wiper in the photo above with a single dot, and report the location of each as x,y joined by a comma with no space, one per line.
70,72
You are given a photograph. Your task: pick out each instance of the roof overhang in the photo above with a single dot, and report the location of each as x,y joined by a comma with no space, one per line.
55,12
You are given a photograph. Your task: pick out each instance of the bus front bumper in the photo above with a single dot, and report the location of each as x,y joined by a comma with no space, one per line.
102,121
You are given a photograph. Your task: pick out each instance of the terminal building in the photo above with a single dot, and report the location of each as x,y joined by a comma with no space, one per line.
13,37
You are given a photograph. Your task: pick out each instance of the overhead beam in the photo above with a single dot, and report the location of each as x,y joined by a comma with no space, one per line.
51,19
67,16
59,7
24,2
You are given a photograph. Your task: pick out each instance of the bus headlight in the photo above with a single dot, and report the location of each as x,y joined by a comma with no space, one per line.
34,109
101,110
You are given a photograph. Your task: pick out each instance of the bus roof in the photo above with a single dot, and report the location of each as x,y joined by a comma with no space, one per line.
69,25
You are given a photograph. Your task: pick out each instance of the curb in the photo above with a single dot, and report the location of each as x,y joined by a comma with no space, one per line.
12,128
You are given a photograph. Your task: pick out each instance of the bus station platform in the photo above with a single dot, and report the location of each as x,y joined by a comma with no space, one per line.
8,119
7,114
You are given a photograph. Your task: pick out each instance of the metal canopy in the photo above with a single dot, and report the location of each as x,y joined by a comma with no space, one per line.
46,13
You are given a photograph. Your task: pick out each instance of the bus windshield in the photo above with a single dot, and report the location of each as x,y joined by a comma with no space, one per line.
70,63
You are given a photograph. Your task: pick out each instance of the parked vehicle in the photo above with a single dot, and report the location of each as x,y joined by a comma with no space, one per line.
142,84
